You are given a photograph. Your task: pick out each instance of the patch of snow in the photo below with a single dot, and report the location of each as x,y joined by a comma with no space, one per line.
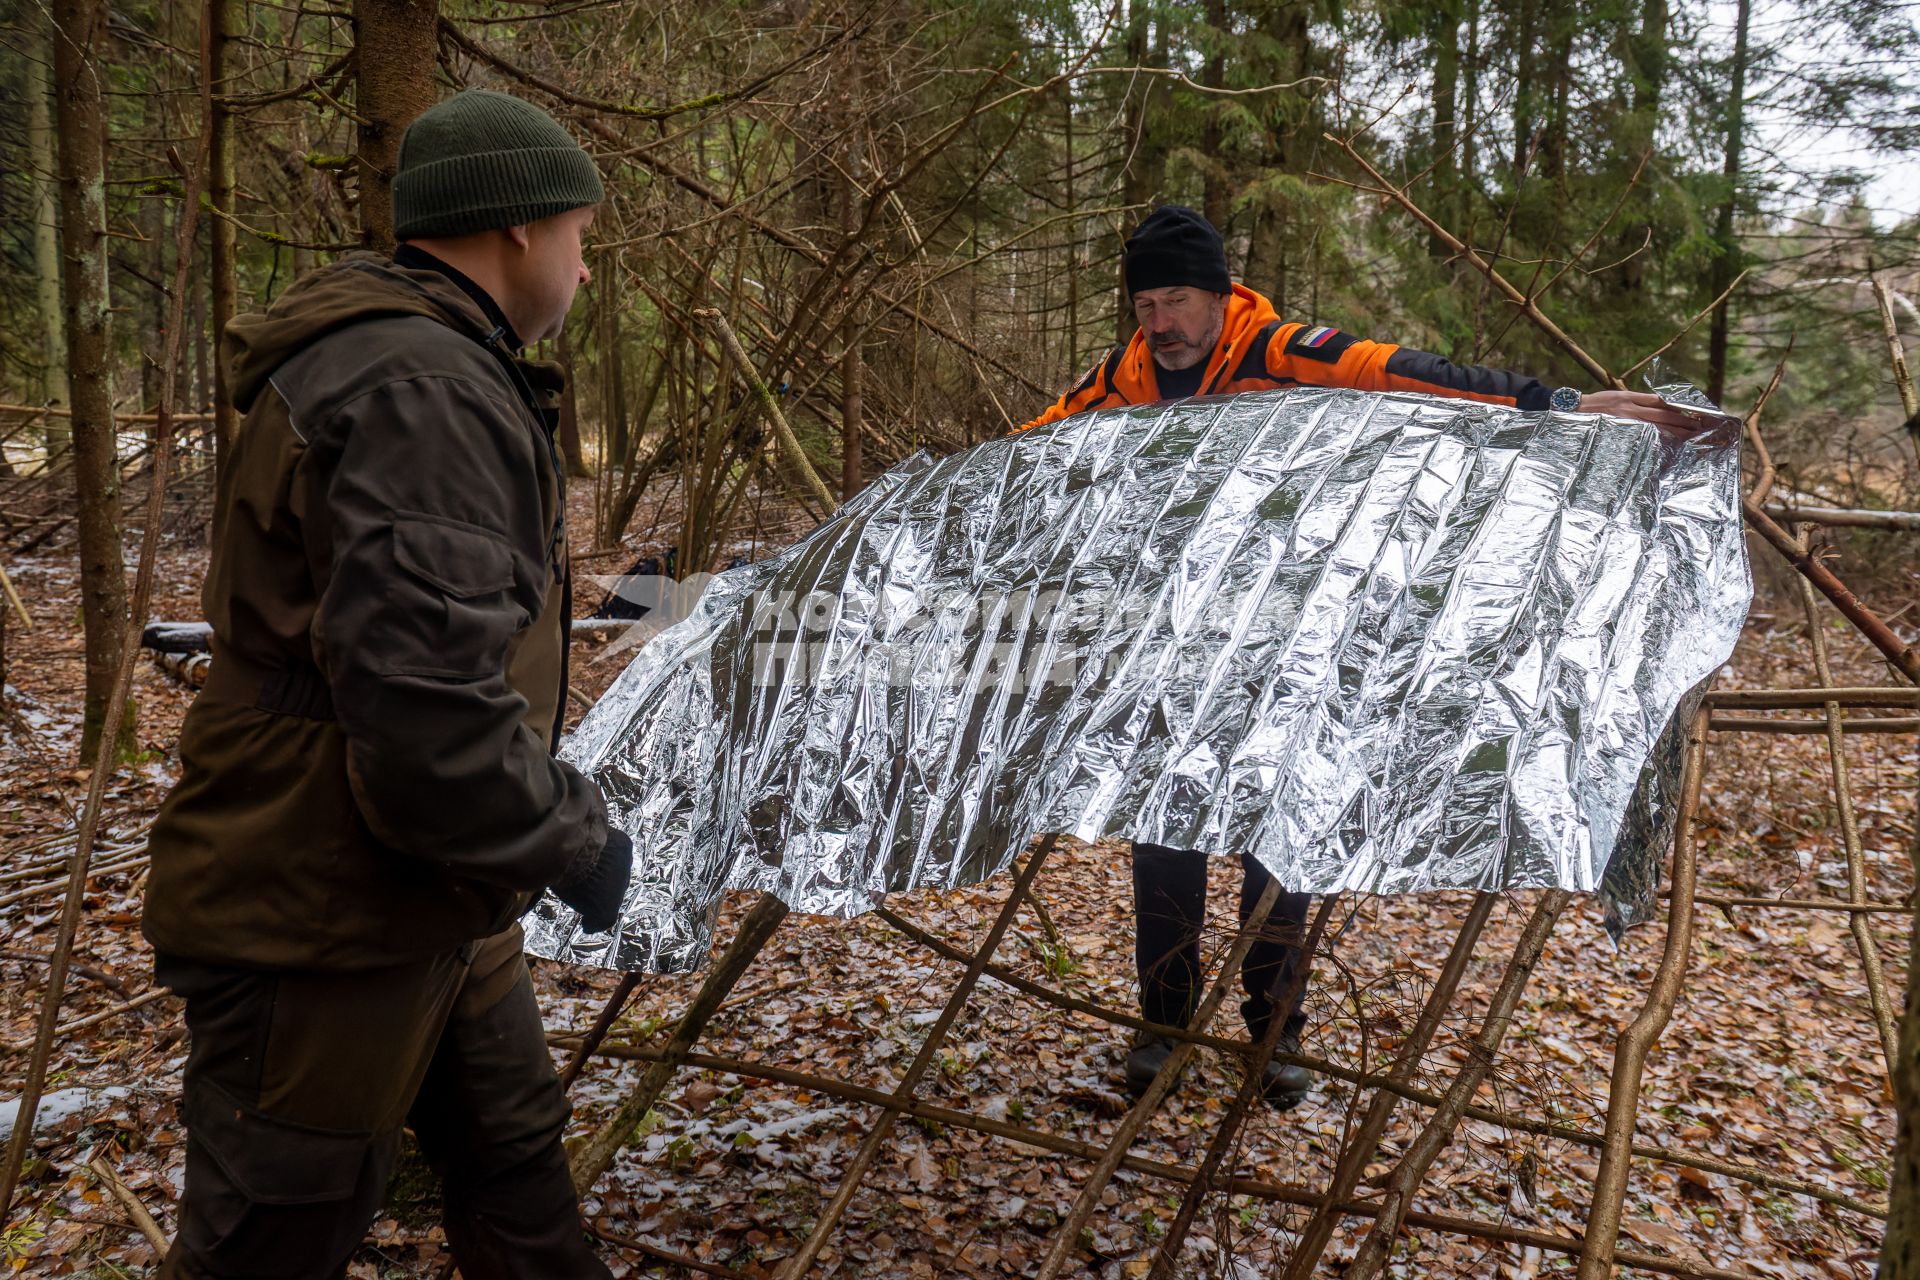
771,1130
59,1105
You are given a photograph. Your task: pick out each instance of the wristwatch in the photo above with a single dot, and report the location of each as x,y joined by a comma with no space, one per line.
1564,400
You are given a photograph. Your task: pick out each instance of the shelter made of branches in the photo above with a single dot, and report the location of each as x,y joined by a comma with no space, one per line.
1378,1204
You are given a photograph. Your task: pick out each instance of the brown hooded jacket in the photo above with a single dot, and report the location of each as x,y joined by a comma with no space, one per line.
368,776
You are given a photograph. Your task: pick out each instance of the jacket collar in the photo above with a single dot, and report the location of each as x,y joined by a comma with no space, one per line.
418,259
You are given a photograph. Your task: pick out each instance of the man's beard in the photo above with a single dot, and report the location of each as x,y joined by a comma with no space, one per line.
1192,352
1189,353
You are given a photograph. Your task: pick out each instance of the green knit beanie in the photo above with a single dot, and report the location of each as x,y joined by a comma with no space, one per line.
482,160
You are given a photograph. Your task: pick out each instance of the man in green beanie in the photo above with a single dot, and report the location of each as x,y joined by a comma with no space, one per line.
369,798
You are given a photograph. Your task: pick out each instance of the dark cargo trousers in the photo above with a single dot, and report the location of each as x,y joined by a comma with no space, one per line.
297,1085
1169,911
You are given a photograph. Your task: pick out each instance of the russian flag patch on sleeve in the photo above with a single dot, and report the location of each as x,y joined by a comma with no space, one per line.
1319,343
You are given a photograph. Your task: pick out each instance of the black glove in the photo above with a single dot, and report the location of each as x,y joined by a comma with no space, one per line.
597,894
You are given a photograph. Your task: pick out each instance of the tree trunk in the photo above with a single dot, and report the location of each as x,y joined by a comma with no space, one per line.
1469,111
851,464
1138,181
222,27
613,391
1650,60
850,357
308,188
636,473
1646,72
1726,245
1560,65
151,319
1901,1244
197,317
1073,239
1159,104
1525,36
570,413
46,249
1271,239
1215,200
80,115
1446,80
1900,1247
394,42
150,295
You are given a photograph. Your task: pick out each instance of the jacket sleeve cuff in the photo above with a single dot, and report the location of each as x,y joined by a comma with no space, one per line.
592,835
1534,397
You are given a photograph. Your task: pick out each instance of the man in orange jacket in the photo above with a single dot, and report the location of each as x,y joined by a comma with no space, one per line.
1202,334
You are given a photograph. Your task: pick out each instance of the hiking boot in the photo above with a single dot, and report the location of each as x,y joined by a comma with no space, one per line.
1149,1054
1285,1085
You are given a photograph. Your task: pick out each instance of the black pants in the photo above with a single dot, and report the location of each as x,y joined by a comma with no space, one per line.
1169,909
297,1085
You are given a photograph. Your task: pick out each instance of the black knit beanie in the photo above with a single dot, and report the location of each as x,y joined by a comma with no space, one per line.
1176,246
482,160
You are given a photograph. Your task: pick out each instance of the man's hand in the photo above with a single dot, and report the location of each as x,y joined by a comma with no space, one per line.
1647,407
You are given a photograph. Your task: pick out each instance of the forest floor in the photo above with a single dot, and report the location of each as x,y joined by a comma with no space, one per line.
1772,1059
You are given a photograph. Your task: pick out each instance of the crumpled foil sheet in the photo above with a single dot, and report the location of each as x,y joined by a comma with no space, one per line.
1387,643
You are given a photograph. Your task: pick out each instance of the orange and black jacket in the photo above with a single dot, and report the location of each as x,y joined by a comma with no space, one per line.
1256,352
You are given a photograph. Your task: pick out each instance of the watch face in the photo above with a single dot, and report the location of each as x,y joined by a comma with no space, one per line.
1565,399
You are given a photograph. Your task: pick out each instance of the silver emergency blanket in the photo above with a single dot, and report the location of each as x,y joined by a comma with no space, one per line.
1386,643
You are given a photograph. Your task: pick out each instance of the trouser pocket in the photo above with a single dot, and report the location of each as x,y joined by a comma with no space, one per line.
270,1197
